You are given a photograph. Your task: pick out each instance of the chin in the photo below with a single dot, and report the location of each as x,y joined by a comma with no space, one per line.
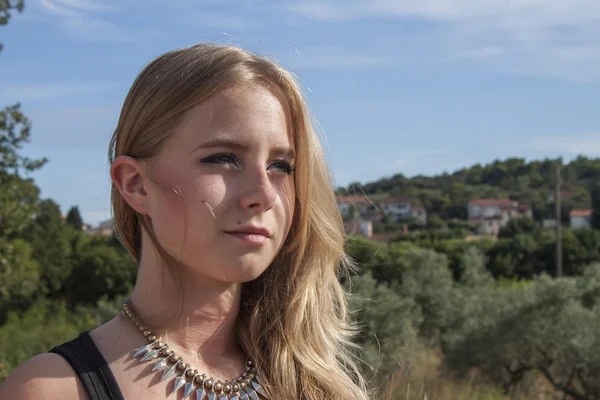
244,273
240,268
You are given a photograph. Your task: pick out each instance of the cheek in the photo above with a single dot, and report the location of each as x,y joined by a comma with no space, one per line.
168,214
287,201
207,192
177,200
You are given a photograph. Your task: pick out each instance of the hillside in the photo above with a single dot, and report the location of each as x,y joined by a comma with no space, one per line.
531,183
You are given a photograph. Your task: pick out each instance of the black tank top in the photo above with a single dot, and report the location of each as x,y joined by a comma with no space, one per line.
91,367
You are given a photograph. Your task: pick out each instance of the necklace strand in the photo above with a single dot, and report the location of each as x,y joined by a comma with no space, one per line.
244,387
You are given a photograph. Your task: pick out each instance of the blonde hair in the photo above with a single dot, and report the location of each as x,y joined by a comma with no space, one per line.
293,319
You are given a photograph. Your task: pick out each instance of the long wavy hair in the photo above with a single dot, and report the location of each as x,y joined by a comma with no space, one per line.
293,319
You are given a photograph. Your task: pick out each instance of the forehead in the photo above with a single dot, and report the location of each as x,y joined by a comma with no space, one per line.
248,114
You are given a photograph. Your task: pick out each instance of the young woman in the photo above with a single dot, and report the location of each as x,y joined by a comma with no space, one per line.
221,193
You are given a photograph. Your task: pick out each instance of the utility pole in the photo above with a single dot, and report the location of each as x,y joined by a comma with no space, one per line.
558,223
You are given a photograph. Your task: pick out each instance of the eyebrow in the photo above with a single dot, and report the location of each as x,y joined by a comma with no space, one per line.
237,145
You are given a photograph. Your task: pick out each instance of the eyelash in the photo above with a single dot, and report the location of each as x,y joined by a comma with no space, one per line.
229,158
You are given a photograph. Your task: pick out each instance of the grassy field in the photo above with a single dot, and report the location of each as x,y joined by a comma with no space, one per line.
421,379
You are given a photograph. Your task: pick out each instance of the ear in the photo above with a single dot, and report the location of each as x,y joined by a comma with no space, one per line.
127,175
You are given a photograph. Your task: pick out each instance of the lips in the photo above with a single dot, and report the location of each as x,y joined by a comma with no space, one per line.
251,230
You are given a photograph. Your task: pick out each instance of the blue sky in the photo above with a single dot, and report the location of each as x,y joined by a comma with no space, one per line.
397,86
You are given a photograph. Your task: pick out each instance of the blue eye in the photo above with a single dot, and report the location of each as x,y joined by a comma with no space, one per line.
222,158
231,159
283,166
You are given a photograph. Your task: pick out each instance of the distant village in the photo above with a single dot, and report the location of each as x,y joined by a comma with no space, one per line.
486,216
104,228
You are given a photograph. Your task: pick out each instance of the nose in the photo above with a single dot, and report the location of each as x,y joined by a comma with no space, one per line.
259,193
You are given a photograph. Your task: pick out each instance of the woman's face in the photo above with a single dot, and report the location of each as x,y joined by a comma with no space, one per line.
221,195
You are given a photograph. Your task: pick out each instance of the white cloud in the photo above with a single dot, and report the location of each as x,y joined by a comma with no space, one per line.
72,8
85,5
53,8
556,38
96,30
80,18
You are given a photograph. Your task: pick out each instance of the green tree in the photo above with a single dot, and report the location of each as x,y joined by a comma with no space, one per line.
474,271
37,330
545,328
384,317
7,7
19,195
100,271
428,282
20,274
435,222
575,255
516,257
74,218
50,239
515,226
18,199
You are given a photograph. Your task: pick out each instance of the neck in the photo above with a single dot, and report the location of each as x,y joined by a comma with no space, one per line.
195,316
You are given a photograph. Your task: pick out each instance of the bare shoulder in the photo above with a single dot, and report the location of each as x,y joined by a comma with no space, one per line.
46,376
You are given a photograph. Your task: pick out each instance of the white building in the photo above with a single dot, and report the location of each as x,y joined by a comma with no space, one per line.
400,208
492,214
358,204
419,213
580,219
104,228
359,226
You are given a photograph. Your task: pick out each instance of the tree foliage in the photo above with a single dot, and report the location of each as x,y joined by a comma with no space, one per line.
19,195
74,218
549,327
533,183
7,8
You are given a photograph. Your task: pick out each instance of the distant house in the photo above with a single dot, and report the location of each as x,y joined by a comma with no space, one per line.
363,227
359,226
396,207
419,213
580,219
372,214
489,215
104,228
401,208
356,204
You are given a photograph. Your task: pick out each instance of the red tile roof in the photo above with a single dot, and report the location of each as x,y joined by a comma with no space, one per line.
581,213
352,199
396,199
